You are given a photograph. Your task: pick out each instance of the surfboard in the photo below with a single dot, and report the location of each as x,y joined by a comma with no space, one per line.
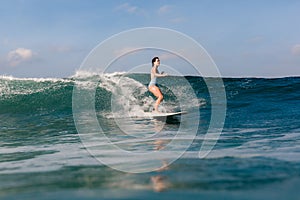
163,115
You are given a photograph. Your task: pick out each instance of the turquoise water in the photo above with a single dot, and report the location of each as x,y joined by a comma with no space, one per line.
42,156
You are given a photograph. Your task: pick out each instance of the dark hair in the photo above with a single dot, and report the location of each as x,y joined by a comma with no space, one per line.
154,59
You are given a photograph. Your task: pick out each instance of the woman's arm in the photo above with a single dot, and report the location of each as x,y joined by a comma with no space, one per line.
157,74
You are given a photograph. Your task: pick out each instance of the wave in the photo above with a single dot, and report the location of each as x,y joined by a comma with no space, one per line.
126,92
34,94
129,93
11,78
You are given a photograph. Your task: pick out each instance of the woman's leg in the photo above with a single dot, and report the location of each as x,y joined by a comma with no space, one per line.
156,91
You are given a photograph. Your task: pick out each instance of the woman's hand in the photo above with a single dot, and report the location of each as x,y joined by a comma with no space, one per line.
163,73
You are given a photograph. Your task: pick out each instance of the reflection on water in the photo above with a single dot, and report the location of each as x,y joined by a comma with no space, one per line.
143,136
138,145
160,183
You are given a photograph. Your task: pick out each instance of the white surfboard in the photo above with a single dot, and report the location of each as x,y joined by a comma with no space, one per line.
162,115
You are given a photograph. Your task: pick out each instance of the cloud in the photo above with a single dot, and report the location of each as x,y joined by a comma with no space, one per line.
164,9
126,7
296,50
168,10
18,56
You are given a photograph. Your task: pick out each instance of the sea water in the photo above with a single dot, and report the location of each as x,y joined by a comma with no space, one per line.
44,154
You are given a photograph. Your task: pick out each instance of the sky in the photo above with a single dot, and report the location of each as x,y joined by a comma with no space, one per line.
245,38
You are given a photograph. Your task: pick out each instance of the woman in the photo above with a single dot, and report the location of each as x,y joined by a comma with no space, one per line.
152,85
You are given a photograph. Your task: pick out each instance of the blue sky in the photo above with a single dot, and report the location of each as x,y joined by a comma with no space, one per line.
244,37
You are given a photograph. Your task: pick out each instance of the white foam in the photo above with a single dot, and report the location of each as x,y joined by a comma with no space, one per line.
10,85
87,74
125,93
11,78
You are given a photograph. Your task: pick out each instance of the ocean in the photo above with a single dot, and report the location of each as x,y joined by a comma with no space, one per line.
59,139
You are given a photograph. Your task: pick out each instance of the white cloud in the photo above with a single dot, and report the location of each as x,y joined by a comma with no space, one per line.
164,9
18,56
296,50
127,8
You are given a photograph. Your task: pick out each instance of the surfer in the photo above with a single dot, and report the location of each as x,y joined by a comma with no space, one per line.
153,85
